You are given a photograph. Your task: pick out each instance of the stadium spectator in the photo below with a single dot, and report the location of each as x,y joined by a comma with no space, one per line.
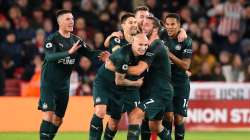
12,49
234,72
231,12
217,73
37,18
48,26
85,76
24,32
2,78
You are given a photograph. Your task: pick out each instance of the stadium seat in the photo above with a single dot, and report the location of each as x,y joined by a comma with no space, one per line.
12,87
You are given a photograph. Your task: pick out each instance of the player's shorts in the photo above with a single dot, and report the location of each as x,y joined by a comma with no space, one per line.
53,100
130,100
181,98
154,108
107,94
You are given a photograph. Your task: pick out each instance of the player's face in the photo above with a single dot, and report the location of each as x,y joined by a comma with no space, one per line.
147,27
130,26
141,17
66,22
172,26
140,44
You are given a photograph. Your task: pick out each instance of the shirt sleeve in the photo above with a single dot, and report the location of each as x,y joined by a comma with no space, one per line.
149,56
86,51
50,52
115,43
187,51
119,61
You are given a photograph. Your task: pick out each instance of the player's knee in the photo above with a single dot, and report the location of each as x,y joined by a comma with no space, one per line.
136,116
155,126
169,116
48,116
57,120
113,124
100,111
178,119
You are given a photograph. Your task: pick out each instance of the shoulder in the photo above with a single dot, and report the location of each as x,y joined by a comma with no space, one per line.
75,37
115,39
53,36
188,41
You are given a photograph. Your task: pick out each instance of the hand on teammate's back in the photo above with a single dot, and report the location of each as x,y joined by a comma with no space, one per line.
75,47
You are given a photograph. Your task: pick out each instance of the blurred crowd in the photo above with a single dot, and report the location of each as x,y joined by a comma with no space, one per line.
221,37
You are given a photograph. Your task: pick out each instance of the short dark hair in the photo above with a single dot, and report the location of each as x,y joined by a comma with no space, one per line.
156,22
141,8
126,16
62,12
173,15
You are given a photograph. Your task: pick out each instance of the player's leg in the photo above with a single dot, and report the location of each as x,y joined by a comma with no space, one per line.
130,103
145,131
100,101
155,110
168,118
157,127
179,127
115,112
180,110
96,124
111,129
49,124
135,119
167,121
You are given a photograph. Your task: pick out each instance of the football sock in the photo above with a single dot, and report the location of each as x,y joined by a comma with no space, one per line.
133,132
179,131
108,133
96,127
145,131
164,134
167,124
46,130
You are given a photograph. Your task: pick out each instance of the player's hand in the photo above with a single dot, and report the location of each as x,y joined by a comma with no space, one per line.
118,34
109,65
104,56
182,35
75,47
189,73
139,82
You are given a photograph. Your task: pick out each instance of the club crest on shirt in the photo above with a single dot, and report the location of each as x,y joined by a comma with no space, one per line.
48,45
178,47
45,106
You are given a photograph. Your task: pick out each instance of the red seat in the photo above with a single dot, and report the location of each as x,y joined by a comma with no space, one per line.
12,87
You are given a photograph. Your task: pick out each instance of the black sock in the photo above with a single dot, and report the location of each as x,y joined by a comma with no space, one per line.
133,132
164,134
96,127
167,124
179,131
109,134
45,130
54,129
145,131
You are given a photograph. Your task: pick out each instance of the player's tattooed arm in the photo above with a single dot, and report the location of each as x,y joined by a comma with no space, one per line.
182,63
138,69
116,34
120,80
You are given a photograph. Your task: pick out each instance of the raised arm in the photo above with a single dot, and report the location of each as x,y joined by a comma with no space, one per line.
51,54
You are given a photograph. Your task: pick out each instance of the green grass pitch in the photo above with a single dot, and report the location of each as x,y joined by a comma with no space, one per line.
122,136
